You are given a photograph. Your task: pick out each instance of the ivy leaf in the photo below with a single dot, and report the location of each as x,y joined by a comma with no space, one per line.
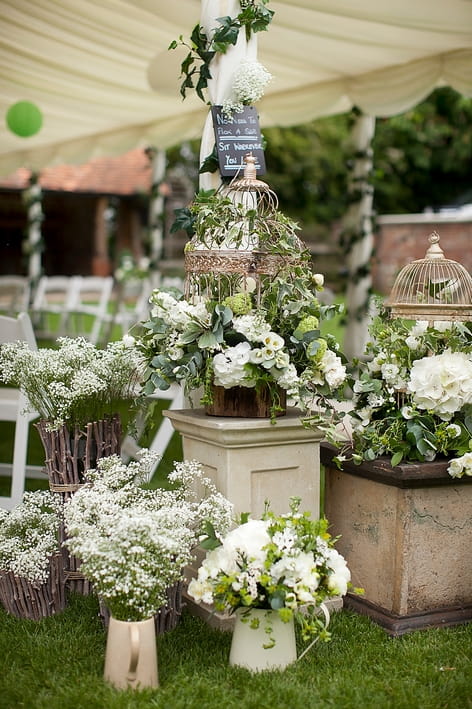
211,163
184,220
225,35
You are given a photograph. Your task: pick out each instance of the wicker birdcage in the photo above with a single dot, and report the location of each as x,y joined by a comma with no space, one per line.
433,288
240,240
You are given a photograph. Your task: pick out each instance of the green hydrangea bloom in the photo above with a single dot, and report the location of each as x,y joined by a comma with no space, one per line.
310,322
318,355
240,303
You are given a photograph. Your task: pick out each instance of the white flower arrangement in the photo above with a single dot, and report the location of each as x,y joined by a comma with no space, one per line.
249,82
134,542
240,343
75,383
286,563
29,535
413,394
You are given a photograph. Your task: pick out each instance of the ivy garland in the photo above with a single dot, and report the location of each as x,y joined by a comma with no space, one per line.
195,68
32,196
350,236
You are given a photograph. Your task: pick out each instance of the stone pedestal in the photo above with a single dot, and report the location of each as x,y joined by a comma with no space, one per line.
406,533
251,461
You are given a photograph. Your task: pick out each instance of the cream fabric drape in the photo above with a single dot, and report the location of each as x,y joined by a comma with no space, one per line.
101,74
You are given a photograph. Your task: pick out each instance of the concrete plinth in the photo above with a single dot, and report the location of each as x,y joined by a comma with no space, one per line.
251,460
406,533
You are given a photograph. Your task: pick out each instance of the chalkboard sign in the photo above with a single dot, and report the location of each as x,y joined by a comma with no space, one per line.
236,137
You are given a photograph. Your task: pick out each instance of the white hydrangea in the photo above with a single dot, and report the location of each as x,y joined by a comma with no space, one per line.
229,367
254,327
442,383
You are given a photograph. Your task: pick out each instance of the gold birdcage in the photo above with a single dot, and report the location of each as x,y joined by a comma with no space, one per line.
432,288
240,240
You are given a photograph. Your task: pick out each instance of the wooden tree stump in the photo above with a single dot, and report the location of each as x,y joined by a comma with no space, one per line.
244,402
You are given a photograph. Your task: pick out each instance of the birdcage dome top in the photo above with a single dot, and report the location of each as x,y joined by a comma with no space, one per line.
432,288
240,234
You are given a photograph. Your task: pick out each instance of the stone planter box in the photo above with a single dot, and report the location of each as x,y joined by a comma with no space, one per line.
406,533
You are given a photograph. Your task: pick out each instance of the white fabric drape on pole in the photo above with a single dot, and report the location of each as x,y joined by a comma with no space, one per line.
222,70
358,219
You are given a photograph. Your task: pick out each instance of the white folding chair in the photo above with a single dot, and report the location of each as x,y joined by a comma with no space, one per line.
53,300
164,433
14,295
131,307
89,309
12,405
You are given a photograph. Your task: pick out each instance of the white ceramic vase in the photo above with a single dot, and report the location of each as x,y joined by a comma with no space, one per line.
247,645
131,654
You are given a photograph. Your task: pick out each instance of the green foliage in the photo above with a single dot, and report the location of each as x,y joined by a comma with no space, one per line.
423,156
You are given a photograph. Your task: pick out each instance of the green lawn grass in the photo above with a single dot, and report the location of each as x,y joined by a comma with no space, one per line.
57,663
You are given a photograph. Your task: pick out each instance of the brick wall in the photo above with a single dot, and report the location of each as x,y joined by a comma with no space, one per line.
404,238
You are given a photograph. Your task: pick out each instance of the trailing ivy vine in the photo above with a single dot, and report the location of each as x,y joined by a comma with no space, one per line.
195,68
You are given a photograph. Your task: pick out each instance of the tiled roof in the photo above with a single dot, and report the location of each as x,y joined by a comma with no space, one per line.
127,174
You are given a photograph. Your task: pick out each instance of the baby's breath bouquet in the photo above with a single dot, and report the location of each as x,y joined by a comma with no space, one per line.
286,563
133,542
413,394
29,536
76,382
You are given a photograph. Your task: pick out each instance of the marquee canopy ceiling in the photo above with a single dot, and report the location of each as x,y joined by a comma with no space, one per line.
101,74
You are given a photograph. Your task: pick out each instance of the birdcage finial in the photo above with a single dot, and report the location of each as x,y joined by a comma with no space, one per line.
434,251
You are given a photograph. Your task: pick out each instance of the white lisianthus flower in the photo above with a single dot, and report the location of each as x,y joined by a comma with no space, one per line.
288,379
273,341
365,415
128,340
281,359
375,364
200,591
453,430
390,372
442,383
407,412
412,342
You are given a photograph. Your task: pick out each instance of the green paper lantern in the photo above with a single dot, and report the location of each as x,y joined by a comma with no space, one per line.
24,119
